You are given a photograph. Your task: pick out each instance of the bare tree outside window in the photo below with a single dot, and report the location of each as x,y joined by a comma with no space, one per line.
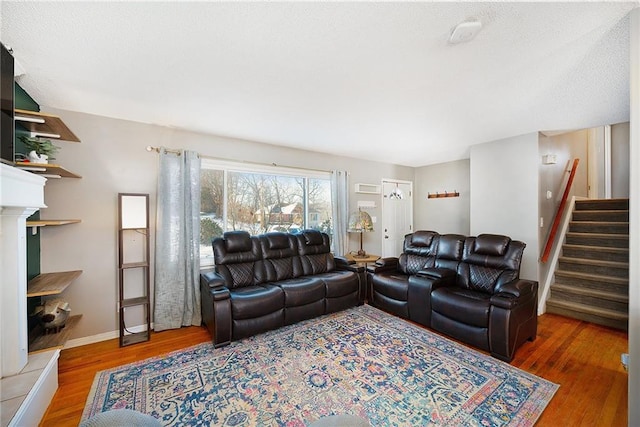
261,203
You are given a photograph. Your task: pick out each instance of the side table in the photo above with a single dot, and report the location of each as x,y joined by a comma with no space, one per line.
369,258
362,262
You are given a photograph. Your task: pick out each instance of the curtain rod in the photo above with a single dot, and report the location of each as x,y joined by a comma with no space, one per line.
178,152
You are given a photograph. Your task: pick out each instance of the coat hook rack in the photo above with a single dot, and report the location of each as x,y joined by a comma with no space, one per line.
438,195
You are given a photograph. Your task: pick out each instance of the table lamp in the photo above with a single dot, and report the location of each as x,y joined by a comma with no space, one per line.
360,222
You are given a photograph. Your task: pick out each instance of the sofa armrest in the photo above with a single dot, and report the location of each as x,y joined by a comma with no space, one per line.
419,295
510,294
216,307
343,263
383,264
211,279
518,288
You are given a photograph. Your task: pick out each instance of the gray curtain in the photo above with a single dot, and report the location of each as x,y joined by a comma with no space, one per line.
340,211
177,254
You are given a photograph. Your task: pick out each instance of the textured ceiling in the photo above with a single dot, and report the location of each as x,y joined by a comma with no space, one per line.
368,80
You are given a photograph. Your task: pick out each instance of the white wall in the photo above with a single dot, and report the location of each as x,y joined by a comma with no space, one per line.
620,160
504,193
444,215
112,159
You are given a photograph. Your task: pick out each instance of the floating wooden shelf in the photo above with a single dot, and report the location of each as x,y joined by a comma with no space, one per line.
45,222
51,283
441,195
135,264
38,341
47,169
45,125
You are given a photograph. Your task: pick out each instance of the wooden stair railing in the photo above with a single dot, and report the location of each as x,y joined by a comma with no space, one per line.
557,218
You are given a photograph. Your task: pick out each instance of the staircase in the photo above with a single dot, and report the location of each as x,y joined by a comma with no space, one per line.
592,277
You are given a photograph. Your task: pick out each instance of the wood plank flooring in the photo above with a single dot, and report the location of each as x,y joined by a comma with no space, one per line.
583,358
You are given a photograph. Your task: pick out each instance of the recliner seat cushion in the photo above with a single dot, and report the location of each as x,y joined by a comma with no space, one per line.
339,283
243,328
393,285
255,301
463,305
302,290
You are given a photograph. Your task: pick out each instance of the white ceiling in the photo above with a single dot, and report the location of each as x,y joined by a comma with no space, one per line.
362,79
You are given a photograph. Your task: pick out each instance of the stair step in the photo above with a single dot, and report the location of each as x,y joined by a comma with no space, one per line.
595,293
597,215
598,239
590,297
592,281
596,252
602,268
599,227
602,204
611,318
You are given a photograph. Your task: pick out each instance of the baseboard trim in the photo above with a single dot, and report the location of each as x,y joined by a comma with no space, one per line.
105,336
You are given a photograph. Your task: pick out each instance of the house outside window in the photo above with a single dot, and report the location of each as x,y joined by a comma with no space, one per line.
260,199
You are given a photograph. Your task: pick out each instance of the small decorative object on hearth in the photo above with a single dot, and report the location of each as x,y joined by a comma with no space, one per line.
360,222
39,150
53,314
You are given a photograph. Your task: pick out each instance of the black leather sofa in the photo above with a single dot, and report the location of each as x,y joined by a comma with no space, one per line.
275,279
465,287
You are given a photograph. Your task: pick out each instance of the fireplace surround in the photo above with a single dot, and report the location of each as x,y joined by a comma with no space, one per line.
28,382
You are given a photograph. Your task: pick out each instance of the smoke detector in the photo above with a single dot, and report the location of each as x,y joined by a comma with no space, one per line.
465,31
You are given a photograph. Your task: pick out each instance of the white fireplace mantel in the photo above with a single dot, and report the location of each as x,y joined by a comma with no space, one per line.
21,194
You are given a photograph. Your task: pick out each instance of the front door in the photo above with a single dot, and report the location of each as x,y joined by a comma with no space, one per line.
397,215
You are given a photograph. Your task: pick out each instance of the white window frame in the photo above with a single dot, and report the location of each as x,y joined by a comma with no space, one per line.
227,166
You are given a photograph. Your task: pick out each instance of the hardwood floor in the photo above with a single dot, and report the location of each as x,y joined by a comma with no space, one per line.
583,358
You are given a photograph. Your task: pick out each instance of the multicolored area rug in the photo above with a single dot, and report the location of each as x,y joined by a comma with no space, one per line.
362,362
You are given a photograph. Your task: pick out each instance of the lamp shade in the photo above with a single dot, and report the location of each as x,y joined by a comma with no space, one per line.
360,222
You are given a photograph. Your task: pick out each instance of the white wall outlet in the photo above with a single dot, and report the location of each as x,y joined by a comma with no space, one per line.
374,219
549,194
541,221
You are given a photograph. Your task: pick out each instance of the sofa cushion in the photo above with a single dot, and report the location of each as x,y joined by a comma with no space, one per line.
255,301
419,251
339,283
236,256
491,244
481,271
419,239
243,328
315,252
280,260
450,249
302,290
463,305
237,241
391,284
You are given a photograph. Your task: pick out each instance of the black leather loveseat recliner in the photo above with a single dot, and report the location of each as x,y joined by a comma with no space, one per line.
275,279
467,288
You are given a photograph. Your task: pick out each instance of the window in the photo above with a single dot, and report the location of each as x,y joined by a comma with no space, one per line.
236,196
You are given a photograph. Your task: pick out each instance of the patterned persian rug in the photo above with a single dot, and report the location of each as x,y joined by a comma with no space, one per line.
362,362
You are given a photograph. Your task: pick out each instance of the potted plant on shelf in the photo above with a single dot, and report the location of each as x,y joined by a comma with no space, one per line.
39,150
